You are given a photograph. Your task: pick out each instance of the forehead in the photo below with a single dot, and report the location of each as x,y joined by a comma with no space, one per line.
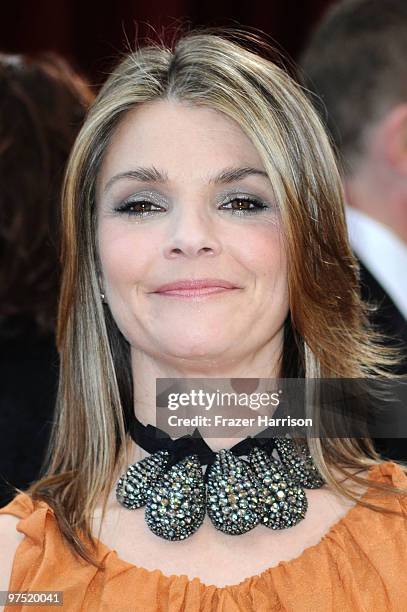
186,140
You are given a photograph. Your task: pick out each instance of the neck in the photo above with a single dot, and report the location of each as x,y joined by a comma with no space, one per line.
380,197
265,364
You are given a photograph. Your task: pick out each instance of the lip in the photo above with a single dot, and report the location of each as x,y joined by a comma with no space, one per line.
196,288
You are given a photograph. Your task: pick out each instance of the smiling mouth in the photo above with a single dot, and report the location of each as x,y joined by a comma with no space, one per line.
202,292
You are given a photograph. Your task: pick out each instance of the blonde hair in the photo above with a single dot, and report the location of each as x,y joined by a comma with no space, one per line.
326,334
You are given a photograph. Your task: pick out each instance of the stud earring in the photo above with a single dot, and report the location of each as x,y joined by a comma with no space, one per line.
103,298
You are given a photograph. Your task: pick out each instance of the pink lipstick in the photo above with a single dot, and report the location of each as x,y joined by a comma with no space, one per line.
196,288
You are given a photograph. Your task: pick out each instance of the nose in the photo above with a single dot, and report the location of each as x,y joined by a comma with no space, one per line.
192,234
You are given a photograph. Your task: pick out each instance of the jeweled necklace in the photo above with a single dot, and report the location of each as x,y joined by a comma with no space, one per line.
237,493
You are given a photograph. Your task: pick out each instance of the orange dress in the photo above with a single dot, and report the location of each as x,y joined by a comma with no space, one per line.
360,564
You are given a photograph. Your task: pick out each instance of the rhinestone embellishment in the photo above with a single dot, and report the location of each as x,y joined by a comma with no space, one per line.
134,487
298,462
239,495
176,507
232,495
283,504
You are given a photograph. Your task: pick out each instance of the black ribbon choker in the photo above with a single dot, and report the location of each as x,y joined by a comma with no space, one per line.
236,493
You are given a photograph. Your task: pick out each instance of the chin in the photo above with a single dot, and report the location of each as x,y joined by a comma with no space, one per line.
189,348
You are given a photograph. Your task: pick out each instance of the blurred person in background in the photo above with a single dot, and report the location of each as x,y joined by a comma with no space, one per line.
355,68
42,106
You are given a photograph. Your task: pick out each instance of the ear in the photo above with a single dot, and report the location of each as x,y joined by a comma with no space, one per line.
393,139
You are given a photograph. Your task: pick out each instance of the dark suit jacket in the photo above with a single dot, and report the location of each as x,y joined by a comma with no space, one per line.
389,320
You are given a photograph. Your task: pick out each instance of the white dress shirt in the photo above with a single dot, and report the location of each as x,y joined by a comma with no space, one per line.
382,252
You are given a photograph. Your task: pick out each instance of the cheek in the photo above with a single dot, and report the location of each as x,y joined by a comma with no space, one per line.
125,256
262,251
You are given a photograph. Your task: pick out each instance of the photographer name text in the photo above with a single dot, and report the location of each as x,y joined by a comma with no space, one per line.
222,421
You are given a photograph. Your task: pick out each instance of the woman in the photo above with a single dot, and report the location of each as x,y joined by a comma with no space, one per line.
205,162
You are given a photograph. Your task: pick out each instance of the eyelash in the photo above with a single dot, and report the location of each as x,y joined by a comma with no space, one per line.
259,206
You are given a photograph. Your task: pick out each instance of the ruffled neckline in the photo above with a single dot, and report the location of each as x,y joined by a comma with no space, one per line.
115,565
375,472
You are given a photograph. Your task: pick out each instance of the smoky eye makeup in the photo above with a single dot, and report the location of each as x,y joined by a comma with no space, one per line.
149,203
244,203
139,202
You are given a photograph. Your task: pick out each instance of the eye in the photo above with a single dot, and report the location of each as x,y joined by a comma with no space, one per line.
243,205
140,208
237,205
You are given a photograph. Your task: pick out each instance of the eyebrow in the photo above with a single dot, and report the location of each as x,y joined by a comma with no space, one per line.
153,175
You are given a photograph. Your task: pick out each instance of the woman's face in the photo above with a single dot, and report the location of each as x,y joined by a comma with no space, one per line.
182,195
